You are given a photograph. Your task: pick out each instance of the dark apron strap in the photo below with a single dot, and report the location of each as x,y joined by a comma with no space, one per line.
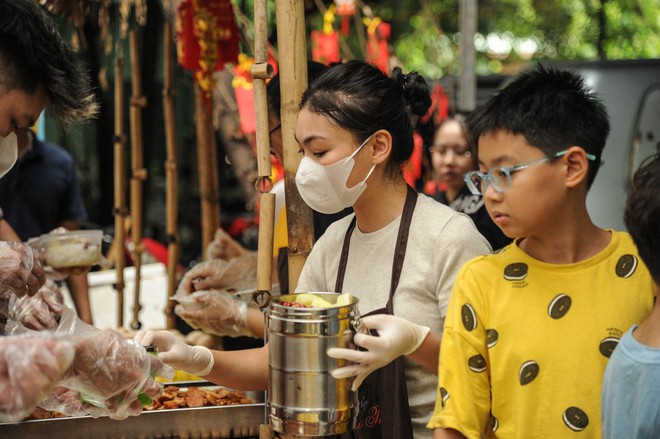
399,250
401,244
384,410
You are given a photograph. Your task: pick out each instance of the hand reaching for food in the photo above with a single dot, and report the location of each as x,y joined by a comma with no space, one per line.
20,271
29,368
40,312
113,375
173,351
239,274
224,247
218,313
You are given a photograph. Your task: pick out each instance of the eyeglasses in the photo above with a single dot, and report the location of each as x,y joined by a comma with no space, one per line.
444,151
500,177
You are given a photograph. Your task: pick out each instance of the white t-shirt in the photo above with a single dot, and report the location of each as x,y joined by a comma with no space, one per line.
440,241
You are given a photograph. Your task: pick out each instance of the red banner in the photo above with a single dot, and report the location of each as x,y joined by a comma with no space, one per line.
207,38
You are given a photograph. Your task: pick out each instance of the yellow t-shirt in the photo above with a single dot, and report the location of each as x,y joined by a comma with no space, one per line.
526,343
281,236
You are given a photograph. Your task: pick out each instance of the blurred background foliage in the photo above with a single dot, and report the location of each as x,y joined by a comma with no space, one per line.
512,32
425,33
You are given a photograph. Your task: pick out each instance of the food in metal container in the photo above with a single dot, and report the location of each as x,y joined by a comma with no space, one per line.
307,300
175,398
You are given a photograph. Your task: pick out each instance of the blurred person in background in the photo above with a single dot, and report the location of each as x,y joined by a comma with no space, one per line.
39,194
98,372
452,155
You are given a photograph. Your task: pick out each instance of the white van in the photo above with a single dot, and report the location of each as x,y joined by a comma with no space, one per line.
631,92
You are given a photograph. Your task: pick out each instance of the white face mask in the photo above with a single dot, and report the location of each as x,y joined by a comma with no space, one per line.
324,189
8,152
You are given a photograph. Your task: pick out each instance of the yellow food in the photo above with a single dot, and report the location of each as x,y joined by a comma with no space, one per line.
312,300
179,375
307,299
344,299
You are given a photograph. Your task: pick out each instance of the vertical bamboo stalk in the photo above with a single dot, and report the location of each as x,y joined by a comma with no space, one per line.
293,72
119,210
171,187
261,71
207,165
139,174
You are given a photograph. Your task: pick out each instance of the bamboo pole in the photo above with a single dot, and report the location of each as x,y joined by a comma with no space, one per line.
293,73
261,71
207,165
139,174
119,210
171,187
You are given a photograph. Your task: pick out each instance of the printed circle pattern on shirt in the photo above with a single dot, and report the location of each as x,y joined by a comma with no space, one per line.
526,343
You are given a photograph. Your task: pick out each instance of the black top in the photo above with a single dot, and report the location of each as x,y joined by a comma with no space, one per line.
473,206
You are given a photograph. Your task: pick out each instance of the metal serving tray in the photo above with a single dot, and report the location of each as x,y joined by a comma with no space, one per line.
229,421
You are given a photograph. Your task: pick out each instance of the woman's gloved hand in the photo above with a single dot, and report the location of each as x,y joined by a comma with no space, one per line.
173,351
239,273
396,337
21,272
40,312
113,374
220,313
29,368
224,247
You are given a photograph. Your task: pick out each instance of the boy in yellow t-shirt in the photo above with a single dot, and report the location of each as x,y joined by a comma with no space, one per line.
530,329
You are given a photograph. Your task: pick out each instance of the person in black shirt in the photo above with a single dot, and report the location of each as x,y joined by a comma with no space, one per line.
452,155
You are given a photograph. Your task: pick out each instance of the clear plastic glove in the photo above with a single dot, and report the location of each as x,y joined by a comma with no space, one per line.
224,247
173,351
29,368
40,312
238,273
69,324
113,375
218,313
21,272
396,337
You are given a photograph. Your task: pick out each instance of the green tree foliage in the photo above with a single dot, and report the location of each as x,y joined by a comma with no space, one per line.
426,34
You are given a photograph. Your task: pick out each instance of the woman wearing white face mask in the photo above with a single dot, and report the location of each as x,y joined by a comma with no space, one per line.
398,254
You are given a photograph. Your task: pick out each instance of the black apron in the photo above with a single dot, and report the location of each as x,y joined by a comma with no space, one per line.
383,396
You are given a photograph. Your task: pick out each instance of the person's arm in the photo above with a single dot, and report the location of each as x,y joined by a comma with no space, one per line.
243,370
428,353
255,321
79,289
7,232
447,433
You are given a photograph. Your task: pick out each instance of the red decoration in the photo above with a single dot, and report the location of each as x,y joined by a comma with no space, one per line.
345,9
207,38
439,105
325,47
412,170
244,90
378,50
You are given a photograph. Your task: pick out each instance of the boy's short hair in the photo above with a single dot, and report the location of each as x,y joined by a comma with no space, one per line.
33,54
642,214
553,109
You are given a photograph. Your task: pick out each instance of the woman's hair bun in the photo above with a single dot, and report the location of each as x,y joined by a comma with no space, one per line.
416,91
